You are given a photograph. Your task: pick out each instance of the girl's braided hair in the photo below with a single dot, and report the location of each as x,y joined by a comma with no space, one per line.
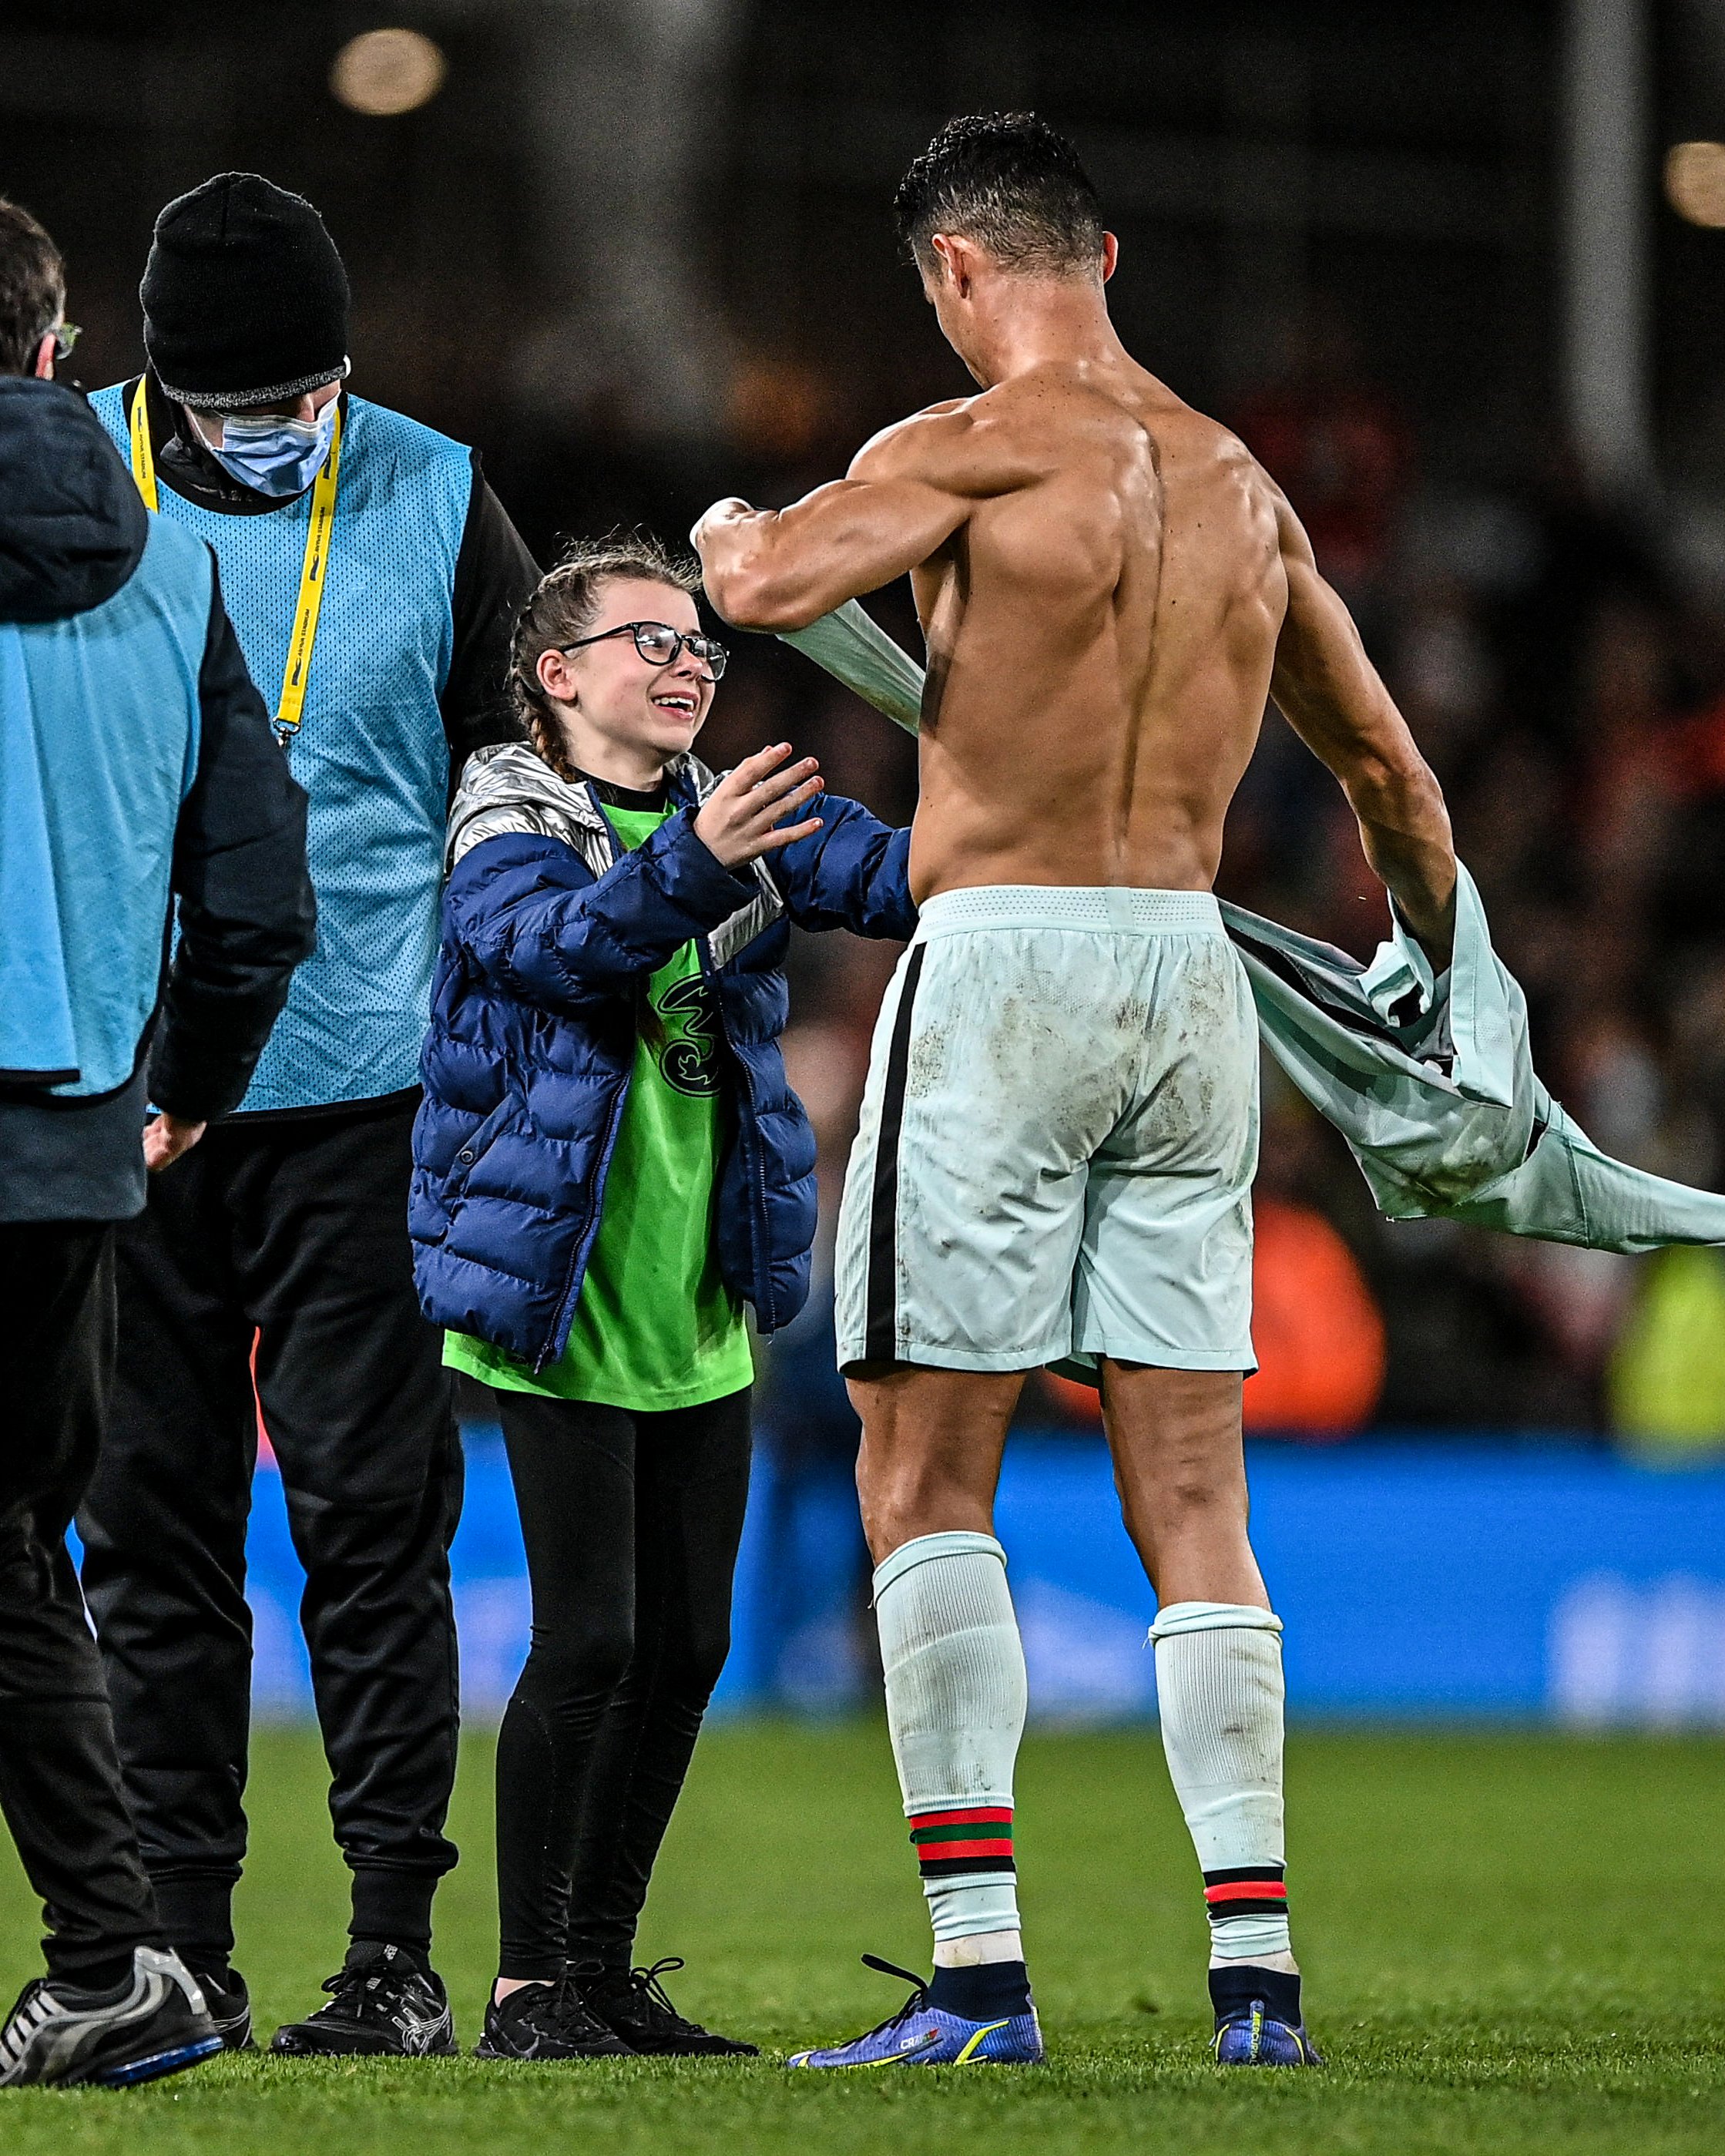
564,605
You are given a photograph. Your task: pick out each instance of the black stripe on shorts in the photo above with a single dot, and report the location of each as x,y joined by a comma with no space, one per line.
880,1336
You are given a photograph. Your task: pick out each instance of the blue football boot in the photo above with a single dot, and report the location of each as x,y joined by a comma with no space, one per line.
923,2034
1258,2022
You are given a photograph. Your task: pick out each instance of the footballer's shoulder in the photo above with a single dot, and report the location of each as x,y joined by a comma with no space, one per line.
924,437
969,447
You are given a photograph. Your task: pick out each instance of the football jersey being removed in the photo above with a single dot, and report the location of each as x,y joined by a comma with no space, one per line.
1430,1080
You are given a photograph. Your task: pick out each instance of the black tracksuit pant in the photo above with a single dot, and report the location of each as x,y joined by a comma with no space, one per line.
291,1234
59,1779
631,1523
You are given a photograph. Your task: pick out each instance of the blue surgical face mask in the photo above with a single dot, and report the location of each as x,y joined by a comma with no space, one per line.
273,454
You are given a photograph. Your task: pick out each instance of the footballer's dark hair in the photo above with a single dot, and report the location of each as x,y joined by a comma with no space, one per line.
1008,180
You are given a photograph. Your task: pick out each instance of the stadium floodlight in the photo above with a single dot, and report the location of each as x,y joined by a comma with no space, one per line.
386,72
1695,181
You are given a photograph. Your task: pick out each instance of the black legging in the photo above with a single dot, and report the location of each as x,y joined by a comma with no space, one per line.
631,1523
60,1773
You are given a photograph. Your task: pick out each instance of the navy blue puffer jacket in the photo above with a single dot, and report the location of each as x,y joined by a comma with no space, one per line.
548,928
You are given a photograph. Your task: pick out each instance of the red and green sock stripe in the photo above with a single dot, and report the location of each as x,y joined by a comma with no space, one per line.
1250,1890
978,1838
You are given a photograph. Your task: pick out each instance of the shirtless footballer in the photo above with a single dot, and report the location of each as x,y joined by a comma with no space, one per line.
1059,1130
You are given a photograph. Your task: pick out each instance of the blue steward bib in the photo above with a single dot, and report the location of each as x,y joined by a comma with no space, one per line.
99,734
370,751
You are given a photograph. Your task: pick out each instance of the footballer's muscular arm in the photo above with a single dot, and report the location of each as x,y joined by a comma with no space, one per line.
906,493
1330,693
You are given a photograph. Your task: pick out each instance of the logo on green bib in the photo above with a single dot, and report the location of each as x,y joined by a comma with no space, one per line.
689,1055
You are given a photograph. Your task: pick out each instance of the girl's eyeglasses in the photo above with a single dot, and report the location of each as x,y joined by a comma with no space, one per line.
661,645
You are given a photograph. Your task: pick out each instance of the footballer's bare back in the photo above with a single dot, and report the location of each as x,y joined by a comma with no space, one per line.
1101,629
1111,590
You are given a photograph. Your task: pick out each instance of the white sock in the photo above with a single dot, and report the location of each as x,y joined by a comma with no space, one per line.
955,1705
1219,1685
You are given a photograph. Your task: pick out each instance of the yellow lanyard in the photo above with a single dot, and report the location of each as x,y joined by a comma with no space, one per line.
311,574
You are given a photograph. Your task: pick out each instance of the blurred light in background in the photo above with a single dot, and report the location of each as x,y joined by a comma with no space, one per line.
1320,1337
387,71
1695,181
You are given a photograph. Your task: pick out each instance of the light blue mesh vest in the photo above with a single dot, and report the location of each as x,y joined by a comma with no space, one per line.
370,751
98,731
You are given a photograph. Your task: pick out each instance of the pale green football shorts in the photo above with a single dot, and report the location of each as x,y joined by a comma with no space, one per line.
1058,1139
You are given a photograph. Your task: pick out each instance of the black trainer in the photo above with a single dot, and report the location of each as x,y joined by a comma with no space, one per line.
543,2021
385,2003
632,2003
150,2024
228,2002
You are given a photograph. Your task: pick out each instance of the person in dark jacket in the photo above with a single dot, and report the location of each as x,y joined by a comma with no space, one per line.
139,781
282,1249
609,1167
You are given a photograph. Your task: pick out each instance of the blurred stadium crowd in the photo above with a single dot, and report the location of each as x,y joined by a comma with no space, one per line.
1422,200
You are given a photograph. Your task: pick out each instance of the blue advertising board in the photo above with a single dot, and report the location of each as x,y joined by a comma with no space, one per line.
1418,1580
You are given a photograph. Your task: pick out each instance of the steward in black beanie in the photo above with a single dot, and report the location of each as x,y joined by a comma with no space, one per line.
379,587
246,299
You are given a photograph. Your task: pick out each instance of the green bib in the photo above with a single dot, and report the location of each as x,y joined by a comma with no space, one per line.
655,1327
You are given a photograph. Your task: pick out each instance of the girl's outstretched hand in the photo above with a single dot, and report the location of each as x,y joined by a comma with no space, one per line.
737,824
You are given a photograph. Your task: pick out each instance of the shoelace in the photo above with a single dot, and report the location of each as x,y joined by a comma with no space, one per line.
917,1999
645,1984
558,2009
372,1983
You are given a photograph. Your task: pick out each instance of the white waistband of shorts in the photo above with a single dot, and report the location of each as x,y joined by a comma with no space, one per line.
1093,909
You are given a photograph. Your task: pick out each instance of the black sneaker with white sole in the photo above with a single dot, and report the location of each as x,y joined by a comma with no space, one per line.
546,2021
152,2024
228,2005
385,2002
632,2004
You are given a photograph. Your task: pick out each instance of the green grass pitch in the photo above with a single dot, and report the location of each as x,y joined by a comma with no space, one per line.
1513,1943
